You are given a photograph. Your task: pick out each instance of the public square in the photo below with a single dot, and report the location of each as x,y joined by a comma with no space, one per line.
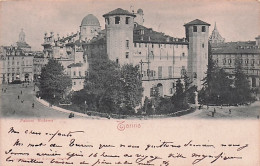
12,107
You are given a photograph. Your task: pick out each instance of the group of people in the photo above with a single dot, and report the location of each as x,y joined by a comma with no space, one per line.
18,97
4,90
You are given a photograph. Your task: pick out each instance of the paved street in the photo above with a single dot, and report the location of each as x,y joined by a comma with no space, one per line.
242,112
11,106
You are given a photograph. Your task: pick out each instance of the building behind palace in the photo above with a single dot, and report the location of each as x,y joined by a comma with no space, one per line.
247,53
17,61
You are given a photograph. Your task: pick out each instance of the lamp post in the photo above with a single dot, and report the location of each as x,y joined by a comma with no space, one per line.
85,106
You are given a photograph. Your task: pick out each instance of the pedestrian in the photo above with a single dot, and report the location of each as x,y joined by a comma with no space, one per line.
207,106
229,111
32,105
214,110
2,89
21,92
213,114
18,97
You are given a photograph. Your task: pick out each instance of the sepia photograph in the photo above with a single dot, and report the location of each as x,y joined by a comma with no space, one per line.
131,64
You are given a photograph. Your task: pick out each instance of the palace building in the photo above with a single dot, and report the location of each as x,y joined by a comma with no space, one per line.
162,59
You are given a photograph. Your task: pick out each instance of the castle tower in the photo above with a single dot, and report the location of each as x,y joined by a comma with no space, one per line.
89,27
119,35
197,33
215,37
139,19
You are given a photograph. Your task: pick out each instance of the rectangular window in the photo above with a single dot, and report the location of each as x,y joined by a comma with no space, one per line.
127,20
80,73
160,72
203,29
107,21
195,29
117,20
127,55
127,44
170,71
74,73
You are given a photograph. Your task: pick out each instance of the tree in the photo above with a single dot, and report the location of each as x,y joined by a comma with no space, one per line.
242,91
179,96
102,84
217,85
132,86
54,83
114,89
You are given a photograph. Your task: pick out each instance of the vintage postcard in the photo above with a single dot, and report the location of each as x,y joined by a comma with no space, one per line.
129,82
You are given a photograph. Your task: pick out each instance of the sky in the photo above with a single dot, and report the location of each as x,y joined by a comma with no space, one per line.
237,20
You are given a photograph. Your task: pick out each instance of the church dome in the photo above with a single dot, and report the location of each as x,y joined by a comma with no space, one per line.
90,20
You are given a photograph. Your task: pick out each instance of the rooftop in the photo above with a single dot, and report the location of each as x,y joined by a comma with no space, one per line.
75,65
197,22
245,47
119,11
148,35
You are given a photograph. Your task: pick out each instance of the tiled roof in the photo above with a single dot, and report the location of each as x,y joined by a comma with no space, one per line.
75,65
148,35
248,47
119,11
197,22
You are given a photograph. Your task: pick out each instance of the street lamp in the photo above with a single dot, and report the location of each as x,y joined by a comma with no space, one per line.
85,106
218,100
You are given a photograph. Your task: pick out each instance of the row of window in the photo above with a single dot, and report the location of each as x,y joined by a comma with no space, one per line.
159,45
195,29
117,20
229,61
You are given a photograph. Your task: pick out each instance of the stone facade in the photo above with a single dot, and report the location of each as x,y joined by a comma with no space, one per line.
162,59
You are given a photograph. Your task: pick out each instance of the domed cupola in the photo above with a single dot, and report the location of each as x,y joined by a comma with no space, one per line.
90,20
89,27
